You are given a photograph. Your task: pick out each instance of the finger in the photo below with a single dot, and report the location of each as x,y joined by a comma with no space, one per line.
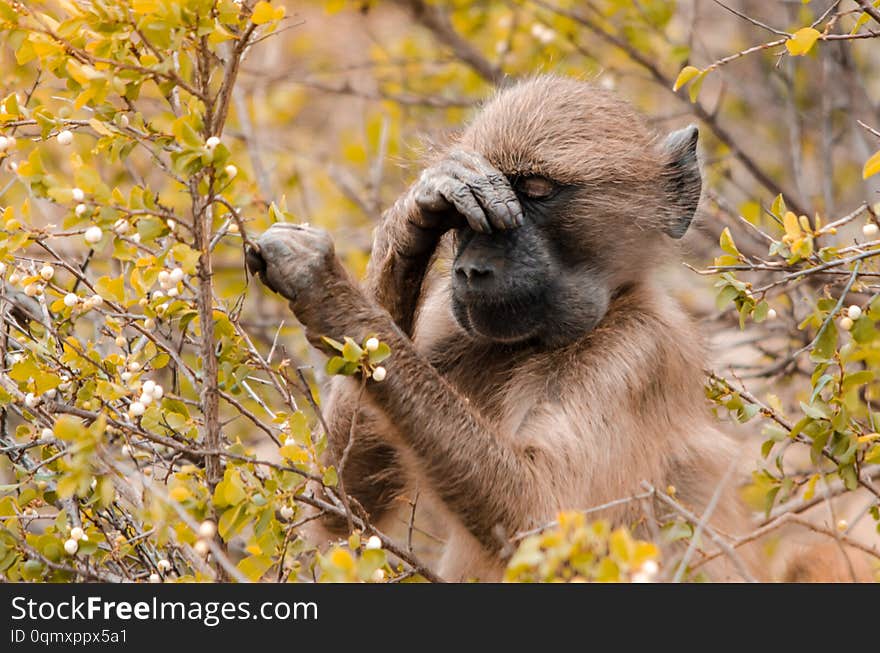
428,198
254,260
463,200
492,189
494,201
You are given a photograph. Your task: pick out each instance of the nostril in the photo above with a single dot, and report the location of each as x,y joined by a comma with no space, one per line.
479,273
473,272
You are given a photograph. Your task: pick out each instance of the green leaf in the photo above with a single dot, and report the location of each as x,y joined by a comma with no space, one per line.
813,411
760,312
335,365
330,477
849,476
826,345
253,567
352,352
383,352
823,380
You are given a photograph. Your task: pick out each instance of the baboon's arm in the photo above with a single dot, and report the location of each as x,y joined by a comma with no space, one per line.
403,246
400,257
482,480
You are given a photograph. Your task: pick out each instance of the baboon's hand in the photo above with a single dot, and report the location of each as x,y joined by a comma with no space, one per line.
463,189
292,259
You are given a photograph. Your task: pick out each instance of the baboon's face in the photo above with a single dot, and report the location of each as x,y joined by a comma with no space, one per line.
600,196
529,283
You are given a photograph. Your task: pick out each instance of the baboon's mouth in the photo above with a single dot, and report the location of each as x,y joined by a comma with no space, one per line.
507,322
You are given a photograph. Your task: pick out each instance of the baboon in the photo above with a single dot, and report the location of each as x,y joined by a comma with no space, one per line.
538,362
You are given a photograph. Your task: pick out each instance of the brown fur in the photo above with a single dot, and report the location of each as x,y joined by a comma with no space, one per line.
503,438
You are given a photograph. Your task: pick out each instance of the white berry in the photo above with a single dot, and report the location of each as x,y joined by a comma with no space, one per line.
47,433
212,142
71,546
286,512
134,366
93,234
207,529
372,344
2,268
120,226
290,442
163,278
373,543
47,272
148,387
136,409
163,565
379,374
173,292
158,391
96,301
230,171
125,376
870,230
854,312
32,289
846,324
120,341
78,194
4,144
31,400
145,399
65,137
379,575
176,275
76,533
201,548
154,578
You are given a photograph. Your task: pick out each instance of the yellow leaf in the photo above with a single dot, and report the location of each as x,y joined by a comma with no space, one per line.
342,559
112,289
264,13
792,226
872,165
687,74
179,494
145,6
802,41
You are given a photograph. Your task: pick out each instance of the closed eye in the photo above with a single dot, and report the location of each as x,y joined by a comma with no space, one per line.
535,187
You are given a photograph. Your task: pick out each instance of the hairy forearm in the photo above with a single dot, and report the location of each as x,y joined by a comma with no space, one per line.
479,479
400,259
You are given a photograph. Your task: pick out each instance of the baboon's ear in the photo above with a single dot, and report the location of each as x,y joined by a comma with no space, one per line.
682,178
